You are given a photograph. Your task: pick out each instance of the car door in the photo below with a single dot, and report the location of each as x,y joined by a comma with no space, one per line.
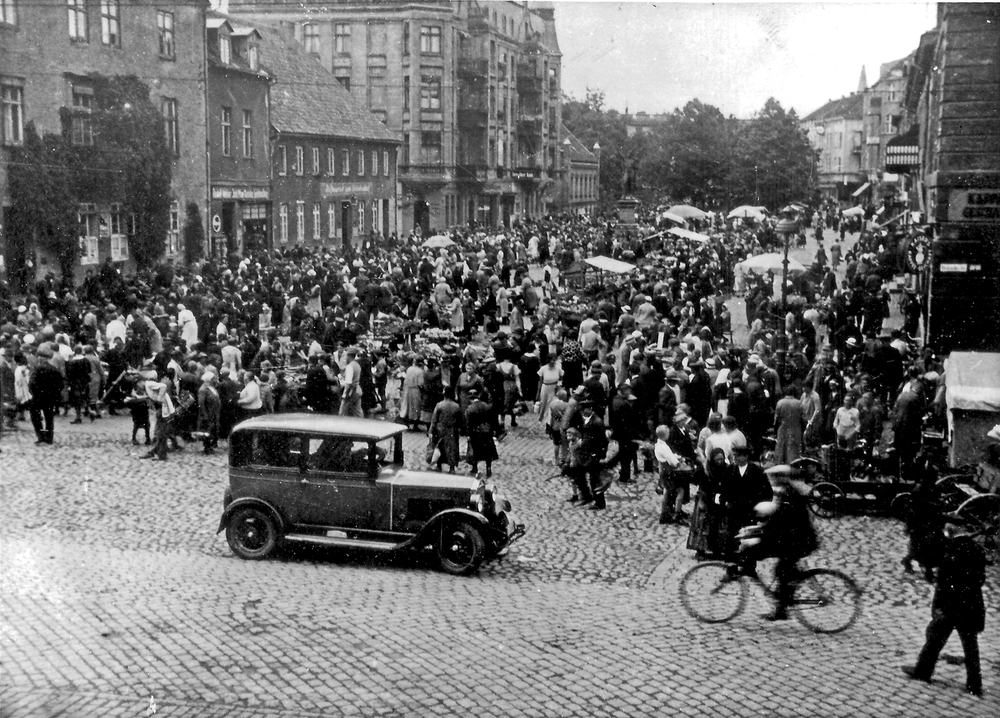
338,489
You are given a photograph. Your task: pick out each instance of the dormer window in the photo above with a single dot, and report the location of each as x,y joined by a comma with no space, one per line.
225,49
252,57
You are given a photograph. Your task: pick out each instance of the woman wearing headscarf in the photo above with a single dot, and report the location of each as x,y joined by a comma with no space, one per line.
411,400
707,532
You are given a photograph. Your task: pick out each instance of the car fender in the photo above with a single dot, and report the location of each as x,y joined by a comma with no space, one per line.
435,521
258,503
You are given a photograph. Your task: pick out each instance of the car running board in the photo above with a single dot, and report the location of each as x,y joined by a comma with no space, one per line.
342,542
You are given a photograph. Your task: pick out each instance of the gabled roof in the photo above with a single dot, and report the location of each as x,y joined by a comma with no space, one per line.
308,100
576,149
848,108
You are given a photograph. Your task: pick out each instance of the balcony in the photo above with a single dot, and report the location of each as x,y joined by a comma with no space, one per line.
473,67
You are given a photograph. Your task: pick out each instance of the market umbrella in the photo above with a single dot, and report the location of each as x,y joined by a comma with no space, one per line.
772,261
438,241
744,211
687,211
688,234
853,211
672,217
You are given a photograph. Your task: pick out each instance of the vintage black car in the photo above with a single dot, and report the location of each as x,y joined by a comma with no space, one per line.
339,481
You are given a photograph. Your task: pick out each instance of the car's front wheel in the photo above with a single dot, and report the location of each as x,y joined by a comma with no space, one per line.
251,534
460,548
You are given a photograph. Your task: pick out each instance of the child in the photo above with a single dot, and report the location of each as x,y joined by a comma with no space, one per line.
557,408
573,466
138,406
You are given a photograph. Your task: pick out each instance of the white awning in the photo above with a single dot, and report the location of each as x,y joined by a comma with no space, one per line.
688,234
861,189
609,265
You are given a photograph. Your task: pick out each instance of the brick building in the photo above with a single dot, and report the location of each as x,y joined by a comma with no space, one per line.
47,50
952,103
471,88
334,165
238,137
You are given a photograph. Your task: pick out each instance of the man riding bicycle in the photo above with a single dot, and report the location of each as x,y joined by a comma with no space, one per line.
785,532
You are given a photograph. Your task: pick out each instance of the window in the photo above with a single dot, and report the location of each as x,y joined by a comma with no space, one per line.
331,219
300,221
361,163
110,29
430,39
252,56
282,160
345,162
119,242
406,149
430,147
227,135
329,160
406,38
283,223
375,222
225,49
310,37
360,219
8,12
78,31
173,228
385,163
87,223
165,25
12,112
430,92
168,108
315,153
341,37
300,161
81,123
247,133
374,163
406,93
317,224
376,88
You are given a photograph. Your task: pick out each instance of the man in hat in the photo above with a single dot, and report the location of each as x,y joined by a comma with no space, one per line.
593,448
350,379
596,387
626,428
698,391
957,606
45,387
209,411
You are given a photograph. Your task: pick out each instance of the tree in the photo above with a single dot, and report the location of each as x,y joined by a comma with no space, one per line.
194,234
43,208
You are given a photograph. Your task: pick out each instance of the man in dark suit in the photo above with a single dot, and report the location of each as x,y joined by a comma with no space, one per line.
698,392
626,427
594,446
746,486
907,421
45,385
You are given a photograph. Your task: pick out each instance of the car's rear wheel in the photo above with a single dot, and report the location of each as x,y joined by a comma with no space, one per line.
460,548
251,534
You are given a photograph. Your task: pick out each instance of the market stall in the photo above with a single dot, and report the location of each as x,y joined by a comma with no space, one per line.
972,382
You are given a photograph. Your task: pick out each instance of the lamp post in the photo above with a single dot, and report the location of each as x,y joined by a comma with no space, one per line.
787,226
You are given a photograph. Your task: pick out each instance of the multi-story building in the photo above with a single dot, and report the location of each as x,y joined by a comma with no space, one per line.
334,165
951,103
48,52
238,138
642,123
836,130
882,115
580,183
471,88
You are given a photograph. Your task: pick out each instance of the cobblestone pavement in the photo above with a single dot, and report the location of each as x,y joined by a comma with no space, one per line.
115,591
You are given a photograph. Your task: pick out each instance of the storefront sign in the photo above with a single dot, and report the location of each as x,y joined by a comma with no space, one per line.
974,205
240,193
335,188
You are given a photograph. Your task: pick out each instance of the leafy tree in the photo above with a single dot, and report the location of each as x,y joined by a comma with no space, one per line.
43,209
194,234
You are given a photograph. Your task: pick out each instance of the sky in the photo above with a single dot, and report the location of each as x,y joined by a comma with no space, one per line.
656,56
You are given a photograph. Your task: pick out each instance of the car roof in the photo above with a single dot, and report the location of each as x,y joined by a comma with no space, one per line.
323,424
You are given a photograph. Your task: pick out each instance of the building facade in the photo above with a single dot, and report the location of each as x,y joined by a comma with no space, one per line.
953,111
472,90
882,114
837,131
47,53
238,138
580,183
333,174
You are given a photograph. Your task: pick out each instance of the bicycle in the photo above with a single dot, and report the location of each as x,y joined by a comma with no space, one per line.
824,601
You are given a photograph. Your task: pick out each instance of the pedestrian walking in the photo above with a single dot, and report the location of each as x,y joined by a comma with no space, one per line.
481,422
45,387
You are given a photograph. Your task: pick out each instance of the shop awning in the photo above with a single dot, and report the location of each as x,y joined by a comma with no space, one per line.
973,381
609,265
688,234
861,189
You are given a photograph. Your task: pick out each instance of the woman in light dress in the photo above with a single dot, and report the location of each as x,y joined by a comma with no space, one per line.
549,378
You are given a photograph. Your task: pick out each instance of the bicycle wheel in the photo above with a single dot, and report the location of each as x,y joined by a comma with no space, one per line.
710,595
826,601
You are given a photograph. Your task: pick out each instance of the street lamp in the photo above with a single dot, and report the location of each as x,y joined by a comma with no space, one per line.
787,226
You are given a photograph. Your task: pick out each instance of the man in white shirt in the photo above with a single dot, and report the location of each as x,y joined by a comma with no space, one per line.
114,329
249,400
350,397
232,358
188,326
